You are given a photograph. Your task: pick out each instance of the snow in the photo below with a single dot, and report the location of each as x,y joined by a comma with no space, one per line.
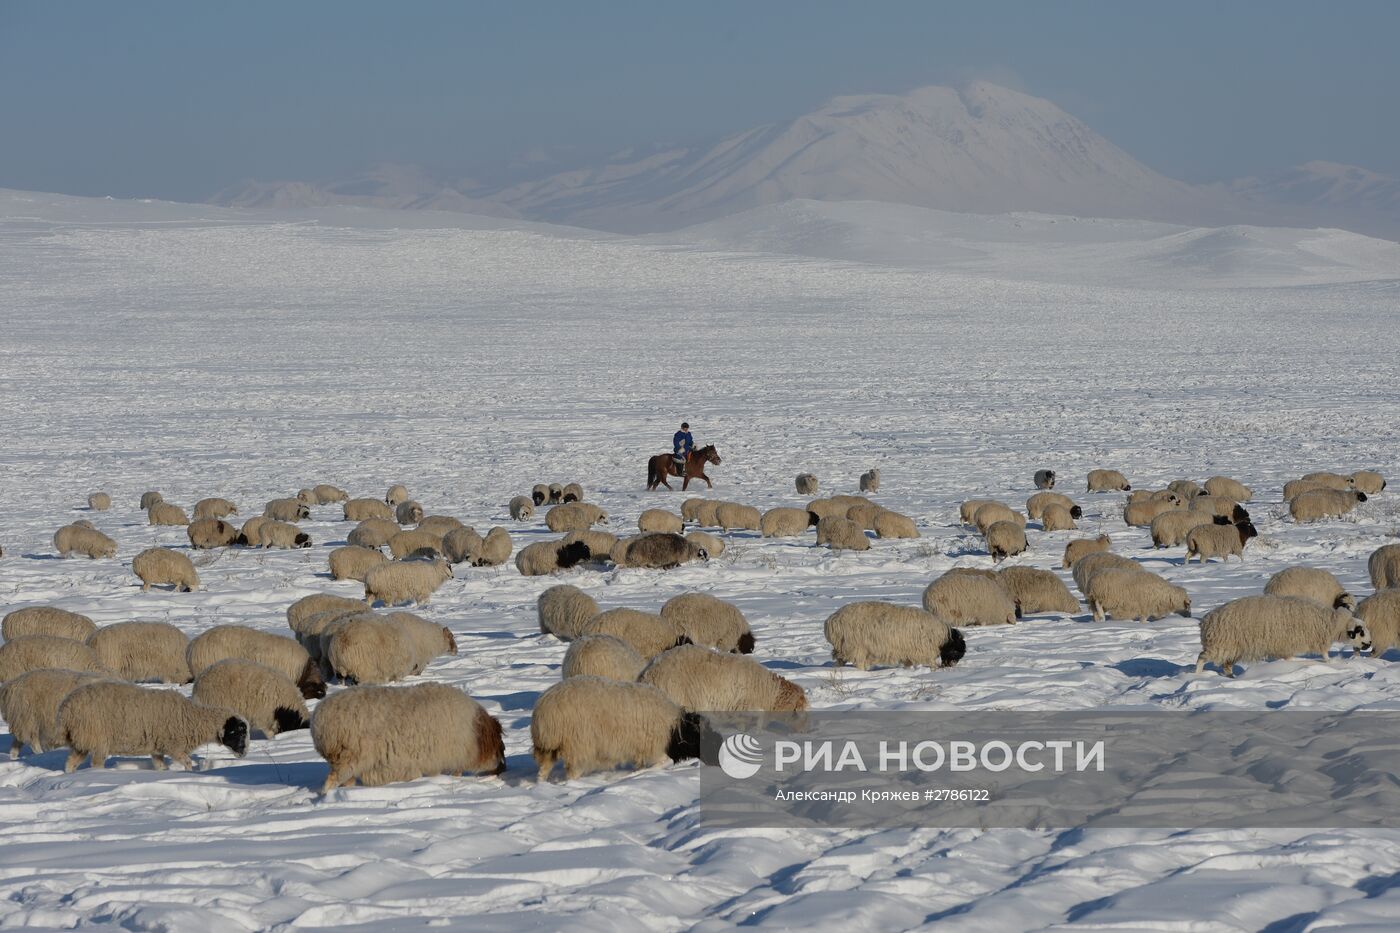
207,351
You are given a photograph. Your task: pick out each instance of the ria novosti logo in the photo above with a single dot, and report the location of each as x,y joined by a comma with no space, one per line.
741,756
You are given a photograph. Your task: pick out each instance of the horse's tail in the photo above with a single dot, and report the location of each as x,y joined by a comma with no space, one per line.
651,472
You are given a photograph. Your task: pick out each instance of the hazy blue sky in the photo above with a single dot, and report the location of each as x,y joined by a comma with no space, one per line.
179,99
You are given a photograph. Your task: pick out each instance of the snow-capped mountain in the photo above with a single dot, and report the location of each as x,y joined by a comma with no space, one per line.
387,185
1329,193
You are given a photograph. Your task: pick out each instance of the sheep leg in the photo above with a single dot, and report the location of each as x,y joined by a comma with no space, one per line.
158,761
1098,611
99,759
145,587
1229,668
14,749
185,762
75,758
1201,663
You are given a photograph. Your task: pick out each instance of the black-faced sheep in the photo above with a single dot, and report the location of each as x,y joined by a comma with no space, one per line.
1228,488
710,622
1384,566
1036,505
556,493
602,656
1256,628
282,535
870,481
158,566
276,651
214,508
600,543
1368,481
409,581
702,680
841,534
662,551
1310,583
1107,481
360,510
1218,541
99,501
380,735
76,539
806,484
1133,593
286,510
1057,518
46,620
112,718
1037,591
496,548
591,723
970,599
869,634
712,545
1221,506
648,634
575,516
1317,504
572,492
540,494
1381,613
546,557
30,704
143,651
522,509
352,562
1005,539
265,697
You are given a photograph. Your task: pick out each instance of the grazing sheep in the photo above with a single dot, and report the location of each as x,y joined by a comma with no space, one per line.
111,718
785,522
556,493
864,515
662,551
276,651
326,493
30,704
647,633
364,648
1037,591
1218,541
600,543
46,620
30,652
214,508
1228,488
602,656
284,535
380,735
267,698
299,612
870,481
359,510
461,545
732,515
707,513
166,513
894,525
967,512
710,622
1044,479
546,557
1005,539
143,651
352,562
1057,518
702,680
1107,481
426,640
1297,487
841,534
1219,505
1185,489
572,492
1310,583
1124,593
806,484
591,723
690,509
395,495
373,532
496,548
824,508
159,566
1384,566
308,497
76,539
868,634
540,494
1085,567
207,533
711,545
1317,504
971,600
149,499
317,629
1381,613
522,509
1170,529
1368,481
575,516
564,610
989,515
404,543
1330,480
286,510
1036,505
408,513
440,525
660,520
1256,628
250,532
1140,513
409,581
99,501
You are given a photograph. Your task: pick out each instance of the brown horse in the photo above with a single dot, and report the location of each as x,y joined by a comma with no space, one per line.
664,465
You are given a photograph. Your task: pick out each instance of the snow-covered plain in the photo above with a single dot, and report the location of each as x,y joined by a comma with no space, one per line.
202,351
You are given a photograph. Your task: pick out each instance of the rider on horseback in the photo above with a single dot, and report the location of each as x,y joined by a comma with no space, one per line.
683,444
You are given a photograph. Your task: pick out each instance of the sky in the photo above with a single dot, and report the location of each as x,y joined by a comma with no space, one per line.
179,100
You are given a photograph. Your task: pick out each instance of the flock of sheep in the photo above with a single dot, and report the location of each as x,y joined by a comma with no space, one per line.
633,682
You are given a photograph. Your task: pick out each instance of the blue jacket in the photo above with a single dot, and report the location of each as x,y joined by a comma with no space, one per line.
683,442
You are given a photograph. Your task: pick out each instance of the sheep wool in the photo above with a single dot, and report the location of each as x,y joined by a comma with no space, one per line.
381,735
440,525
1084,568
46,620
546,557
149,499
1186,489
988,515
648,634
158,566
250,532
1005,539
1310,583
591,723
967,512
556,493
30,704
662,551
841,534
303,609
806,484
572,492
522,509
459,546
1218,541
75,539
496,548
326,493
1123,593
970,599
1037,591
1044,479
1228,488
564,610
1221,506
286,510
660,520
732,515
1368,481
599,543
365,648
1381,613
410,581
602,656
359,510
823,508
405,543
276,651
26,653
710,545
308,497
111,718
143,651
1383,566
576,516
707,513
710,622
208,533
1170,529
871,634
1057,518
1107,481
165,513
540,494
1257,628
690,509
1329,480
99,501
426,640
864,515
870,481
1317,504
266,698
785,522
214,508
702,680
283,535
1140,513
395,495
894,525
353,562
1036,504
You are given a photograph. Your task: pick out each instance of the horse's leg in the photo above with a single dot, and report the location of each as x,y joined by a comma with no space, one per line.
686,485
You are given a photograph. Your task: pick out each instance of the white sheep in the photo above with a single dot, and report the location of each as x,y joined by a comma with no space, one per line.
1256,628
1228,488
326,493
1080,547
286,510
76,539
46,620
806,484
149,499
459,546
864,515
1036,504
1057,518
353,562
591,723
867,634
31,652
993,512
647,633
711,622
699,679
1005,539
546,557
359,510
1310,583
1221,506
209,533
99,501
1330,480
785,522
166,513
283,535
249,532
214,508
303,609
564,610
572,492
265,697
732,515
1169,529
710,545
540,494
556,493
660,520
496,548
408,512
1141,512
112,718
159,566
1317,504
410,581
1036,591
602,656
575,516
1107,481
365,648
1368,481
405,543
1381,613
30,704
395,495
970,600
967,512
1218,541
522,509
1134,593
1384,566
143,651
894,525
1084,568
440,525
276,651
841,534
